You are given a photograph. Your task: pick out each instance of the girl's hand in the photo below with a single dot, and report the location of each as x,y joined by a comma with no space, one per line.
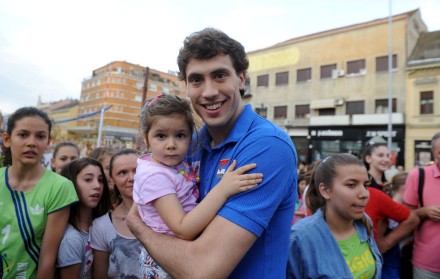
236,181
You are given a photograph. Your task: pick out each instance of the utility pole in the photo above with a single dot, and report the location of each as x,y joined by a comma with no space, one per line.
139,140
145,88
390,77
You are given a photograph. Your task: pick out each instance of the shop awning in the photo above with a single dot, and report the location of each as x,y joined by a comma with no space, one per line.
321,104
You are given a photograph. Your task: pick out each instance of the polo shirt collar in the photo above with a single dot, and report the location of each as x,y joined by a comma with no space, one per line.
239,130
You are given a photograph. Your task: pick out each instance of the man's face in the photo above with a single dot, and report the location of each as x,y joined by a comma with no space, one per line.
214,89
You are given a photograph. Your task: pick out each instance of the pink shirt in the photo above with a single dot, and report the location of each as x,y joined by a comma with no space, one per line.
426,253
154,180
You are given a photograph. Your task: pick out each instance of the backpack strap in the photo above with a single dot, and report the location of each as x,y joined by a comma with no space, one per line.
421,184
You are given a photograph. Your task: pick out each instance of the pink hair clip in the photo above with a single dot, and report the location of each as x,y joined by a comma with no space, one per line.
154,99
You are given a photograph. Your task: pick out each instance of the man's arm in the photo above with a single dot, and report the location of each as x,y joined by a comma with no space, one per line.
427,212
214,254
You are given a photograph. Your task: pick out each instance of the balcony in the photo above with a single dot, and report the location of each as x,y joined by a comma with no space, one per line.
330,120
377,119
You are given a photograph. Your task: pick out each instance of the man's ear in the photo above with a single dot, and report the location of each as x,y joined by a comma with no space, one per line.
324,190
242,76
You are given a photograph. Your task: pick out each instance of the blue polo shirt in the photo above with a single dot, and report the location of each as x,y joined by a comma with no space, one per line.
266,210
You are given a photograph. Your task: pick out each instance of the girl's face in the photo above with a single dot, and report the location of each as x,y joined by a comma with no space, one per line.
347,198
106,166
28,140
65,155
301,186
169,139
379,159
90,186
124,169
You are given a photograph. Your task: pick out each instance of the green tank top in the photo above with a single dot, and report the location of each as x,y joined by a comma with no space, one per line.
358,256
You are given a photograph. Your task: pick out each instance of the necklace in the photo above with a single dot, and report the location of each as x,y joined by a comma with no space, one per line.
124,211
186,171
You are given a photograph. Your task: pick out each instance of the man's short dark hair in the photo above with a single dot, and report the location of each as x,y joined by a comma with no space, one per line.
208,43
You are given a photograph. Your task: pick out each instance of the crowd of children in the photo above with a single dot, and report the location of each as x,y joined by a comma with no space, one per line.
70,222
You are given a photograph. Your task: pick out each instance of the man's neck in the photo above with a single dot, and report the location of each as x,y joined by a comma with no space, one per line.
219,134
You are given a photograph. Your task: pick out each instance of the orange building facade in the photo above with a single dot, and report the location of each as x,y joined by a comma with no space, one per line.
116,91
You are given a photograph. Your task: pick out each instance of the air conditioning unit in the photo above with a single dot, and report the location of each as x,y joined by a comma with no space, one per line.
287,122
337,73
339,102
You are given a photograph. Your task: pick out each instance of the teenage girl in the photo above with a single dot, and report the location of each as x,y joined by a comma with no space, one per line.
75,256
34,202
377,160
63,153
103,155
116,250
165,186
336,241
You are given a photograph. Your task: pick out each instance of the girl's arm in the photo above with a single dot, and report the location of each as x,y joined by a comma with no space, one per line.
53,234
100,264
188,225
71,272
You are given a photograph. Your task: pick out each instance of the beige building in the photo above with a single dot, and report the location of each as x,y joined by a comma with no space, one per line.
60,112
329,90
423,104
118,89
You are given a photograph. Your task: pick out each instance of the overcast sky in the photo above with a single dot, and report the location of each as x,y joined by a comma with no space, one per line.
47,47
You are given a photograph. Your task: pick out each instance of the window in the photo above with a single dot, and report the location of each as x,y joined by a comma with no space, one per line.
302,111
356,107
427,102
327,111
327,71
263,80
280,112
382,105
262,110
282,78
303,75
356,67
382,63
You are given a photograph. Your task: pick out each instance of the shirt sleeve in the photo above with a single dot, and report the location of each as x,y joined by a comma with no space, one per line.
411,195
99,233
71,250
391,209
254,209
62,193
295,264
153,185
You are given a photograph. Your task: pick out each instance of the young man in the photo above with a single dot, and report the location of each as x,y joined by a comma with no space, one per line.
249,238
426,258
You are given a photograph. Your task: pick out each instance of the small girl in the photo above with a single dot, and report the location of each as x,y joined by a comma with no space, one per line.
63,153
300,208
34,202
336,241
75,256
395,188
165,185
397,261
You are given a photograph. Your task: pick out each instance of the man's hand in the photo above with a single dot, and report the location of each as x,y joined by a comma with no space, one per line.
134,221
433,212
